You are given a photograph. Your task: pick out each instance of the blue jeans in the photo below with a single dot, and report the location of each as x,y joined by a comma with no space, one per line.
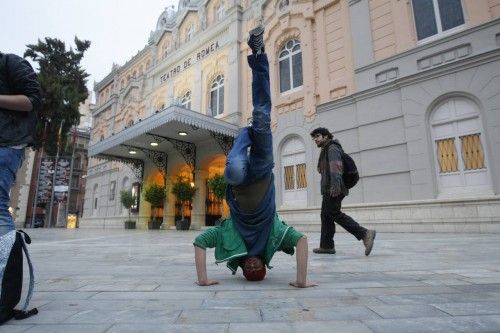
251,157
10,161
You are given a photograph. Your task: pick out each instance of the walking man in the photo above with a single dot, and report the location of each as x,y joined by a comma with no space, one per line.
333,190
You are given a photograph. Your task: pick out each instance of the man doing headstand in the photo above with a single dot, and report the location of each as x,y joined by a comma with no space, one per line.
253,232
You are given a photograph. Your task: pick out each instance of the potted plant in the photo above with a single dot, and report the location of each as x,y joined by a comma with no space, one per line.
127,200
155,194
218,185
184,192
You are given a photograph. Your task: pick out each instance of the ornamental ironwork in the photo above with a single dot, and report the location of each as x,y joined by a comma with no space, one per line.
225,142
186,149
158,158
135,165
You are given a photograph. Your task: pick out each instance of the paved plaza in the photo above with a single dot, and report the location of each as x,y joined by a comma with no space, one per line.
120,281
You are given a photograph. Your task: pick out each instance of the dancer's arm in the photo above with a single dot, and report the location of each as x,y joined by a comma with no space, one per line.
302,253
200,258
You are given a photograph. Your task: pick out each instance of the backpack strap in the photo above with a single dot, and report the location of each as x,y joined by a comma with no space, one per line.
24,313
6,244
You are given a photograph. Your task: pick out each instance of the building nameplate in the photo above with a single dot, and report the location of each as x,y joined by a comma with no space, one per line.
184,64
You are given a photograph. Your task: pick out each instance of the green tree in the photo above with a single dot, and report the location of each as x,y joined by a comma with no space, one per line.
127,199
63,84
155,194
218,185
184,191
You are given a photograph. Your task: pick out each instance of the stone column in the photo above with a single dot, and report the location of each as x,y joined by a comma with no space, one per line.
232,84
169,208
198,212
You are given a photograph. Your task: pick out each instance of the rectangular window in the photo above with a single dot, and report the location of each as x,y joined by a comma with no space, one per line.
301,175
112,188
297,69
285,75
452,14
472,152
447,155
75,182
436,16
425,18
289,178
136,193
95,203
221,101
213,102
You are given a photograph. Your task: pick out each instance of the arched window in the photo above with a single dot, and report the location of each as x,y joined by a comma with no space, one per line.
186,100
293,170
219,12
459,150
217,95
290,66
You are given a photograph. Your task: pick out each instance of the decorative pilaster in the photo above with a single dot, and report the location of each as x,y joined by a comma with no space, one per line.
199,209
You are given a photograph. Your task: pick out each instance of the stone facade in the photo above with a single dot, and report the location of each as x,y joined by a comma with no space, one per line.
360,68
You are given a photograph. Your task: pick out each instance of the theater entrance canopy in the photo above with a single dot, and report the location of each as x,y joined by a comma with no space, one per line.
173,130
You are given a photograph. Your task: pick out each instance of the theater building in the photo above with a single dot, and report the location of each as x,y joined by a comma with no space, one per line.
410,88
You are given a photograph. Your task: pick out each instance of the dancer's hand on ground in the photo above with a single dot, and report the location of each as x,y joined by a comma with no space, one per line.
207,283
303,284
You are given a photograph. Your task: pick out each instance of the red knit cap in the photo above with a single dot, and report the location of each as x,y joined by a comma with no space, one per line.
254,269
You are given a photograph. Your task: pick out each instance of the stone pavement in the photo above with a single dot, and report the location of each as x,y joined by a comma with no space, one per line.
120,281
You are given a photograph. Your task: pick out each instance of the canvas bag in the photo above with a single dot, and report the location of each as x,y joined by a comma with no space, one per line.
12,246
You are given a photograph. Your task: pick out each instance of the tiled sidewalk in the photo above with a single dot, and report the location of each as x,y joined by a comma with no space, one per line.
143,281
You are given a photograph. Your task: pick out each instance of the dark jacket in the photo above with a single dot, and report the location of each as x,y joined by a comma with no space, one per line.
18,78
254,227
331,168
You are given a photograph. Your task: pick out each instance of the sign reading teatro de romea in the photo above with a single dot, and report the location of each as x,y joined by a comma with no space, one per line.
189,61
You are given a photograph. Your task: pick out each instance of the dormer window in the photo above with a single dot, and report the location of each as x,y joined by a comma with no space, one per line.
283,5
219,12
189,33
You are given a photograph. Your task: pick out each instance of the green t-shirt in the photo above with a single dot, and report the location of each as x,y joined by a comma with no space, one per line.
230,247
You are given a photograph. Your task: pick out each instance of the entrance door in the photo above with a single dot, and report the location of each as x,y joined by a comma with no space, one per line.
293,170
459,147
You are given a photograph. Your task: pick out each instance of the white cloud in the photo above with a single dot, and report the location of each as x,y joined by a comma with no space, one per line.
117,29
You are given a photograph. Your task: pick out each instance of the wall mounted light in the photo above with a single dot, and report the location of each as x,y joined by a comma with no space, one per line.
132,152
154,144
182,133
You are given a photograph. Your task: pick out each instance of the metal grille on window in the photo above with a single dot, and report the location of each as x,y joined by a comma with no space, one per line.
289,177
301,175
472,152
447,155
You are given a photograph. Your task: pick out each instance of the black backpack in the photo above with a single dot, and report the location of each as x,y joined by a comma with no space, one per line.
350,175
12,246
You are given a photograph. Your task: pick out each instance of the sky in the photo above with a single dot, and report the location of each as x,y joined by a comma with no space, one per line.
117,29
